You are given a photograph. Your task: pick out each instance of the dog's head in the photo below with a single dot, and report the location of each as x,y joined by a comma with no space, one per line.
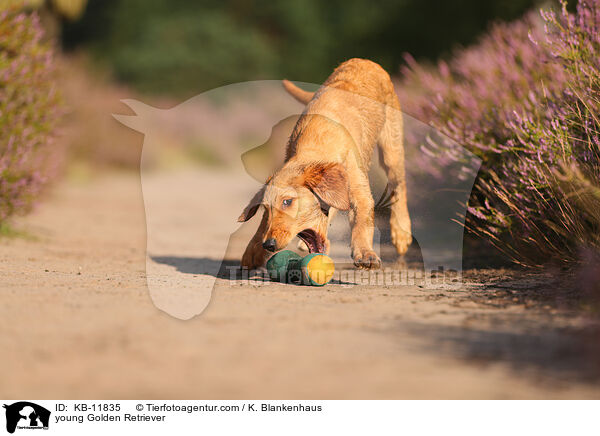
297,200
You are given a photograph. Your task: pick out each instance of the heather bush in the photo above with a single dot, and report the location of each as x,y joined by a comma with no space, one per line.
526,101
28,111
472,98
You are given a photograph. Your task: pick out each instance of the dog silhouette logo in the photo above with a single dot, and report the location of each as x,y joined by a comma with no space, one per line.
26,415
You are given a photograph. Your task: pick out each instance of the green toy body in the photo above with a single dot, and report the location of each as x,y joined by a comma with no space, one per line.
315,269
277,265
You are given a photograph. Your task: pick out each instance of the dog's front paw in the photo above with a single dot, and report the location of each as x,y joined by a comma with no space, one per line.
366,258
254,257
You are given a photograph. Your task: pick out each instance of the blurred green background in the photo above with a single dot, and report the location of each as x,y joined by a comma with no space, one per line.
180,48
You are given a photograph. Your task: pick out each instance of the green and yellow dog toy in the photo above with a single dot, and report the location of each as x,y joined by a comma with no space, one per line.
315,269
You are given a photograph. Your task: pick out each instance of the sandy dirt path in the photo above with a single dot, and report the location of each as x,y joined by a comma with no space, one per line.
77,322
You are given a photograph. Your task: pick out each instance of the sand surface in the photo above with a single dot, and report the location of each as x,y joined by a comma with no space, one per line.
77,320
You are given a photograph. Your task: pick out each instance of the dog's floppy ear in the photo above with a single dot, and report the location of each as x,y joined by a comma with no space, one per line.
250,210
328,180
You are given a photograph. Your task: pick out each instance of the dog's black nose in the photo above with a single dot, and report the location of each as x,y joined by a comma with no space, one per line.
270,244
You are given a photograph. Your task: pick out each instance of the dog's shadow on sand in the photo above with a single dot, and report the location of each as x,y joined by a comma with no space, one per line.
218,268
221,269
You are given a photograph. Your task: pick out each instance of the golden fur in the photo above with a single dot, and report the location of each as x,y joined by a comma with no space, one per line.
326,167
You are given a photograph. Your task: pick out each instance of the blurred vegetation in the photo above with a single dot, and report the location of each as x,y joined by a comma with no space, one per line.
29,111
178,47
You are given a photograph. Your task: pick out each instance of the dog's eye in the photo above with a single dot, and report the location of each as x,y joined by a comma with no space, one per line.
287,202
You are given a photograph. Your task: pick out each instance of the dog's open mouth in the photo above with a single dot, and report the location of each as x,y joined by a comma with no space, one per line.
313,241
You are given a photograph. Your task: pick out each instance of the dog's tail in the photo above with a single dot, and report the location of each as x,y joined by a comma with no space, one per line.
299,94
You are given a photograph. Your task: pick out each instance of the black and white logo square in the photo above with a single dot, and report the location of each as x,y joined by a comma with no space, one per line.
26,415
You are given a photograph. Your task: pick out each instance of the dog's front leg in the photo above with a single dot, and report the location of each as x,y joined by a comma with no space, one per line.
362,221
255,255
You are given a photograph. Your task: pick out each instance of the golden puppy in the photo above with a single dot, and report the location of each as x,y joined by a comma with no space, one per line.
326,168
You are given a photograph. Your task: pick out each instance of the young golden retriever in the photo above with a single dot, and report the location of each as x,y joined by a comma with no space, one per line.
326,168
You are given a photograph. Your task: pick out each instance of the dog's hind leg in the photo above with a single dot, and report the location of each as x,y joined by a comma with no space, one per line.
391,149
